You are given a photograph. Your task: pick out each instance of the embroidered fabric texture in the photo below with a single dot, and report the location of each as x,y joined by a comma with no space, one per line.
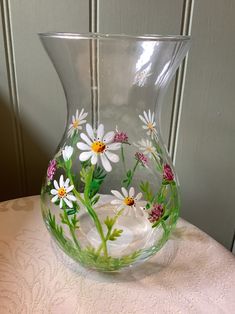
191,274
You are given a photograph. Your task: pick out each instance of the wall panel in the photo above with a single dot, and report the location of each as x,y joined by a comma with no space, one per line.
206,151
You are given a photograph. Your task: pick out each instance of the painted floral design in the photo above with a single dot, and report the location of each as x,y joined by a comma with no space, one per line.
98,146
141,158
97,150
147,148
168,174
155,213
149,123
51,169
77,120
127,200
62,193
120,137
67,152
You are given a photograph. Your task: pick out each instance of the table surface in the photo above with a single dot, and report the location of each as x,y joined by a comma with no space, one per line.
191,274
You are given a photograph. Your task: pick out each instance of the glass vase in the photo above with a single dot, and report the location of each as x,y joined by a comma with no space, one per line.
110,197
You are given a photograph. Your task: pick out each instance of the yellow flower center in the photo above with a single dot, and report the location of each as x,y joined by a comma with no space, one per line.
149,149
150,126
62,192
76,124
129,201
98,147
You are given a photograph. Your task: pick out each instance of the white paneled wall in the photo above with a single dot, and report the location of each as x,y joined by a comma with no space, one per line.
198,110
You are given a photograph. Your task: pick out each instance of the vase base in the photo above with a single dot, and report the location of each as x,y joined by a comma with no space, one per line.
137,233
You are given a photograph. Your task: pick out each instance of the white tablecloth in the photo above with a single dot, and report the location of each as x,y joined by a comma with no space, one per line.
191,274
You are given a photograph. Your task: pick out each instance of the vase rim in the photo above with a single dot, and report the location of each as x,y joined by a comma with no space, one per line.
154,37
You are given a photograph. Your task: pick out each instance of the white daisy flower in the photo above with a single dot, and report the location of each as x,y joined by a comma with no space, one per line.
149,123
126,200
147,148
98,146
61,192
67,152
77,122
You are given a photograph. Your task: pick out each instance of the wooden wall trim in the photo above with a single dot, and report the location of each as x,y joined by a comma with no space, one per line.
186,27
13,91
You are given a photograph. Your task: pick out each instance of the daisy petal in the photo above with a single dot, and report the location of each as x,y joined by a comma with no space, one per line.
100,132
54,192
146,117
116,202
83,146
82,122
71,197
90,131
117,194
66,184
70,204
61,181
86,138
54,199
83,116
131,192
56,185
138,196
85,156
124,192
142,119
150,116
108,137
105,162
94,159
112,157
114,146
69,189
61,203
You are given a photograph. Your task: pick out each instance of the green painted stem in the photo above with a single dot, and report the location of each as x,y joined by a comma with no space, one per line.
132,173
71,228
157,162
92,212
123,158
86,203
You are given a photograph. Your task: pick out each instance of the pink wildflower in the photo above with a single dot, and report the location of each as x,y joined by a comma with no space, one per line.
168,175
155,213
141,158
120,137
51,169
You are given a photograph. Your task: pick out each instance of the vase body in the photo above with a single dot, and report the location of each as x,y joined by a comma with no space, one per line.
110,197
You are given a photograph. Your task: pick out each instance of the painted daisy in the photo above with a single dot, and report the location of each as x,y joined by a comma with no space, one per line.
147,148
149,123
77,122
61,192
126,200
97,145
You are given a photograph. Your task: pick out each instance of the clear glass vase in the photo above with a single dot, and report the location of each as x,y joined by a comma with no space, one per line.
110,197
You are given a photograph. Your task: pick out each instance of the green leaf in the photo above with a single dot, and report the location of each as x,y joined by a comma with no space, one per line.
109,222
75,221
147,206
95,199
71,212
127,180
115,234
97,179
145,188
